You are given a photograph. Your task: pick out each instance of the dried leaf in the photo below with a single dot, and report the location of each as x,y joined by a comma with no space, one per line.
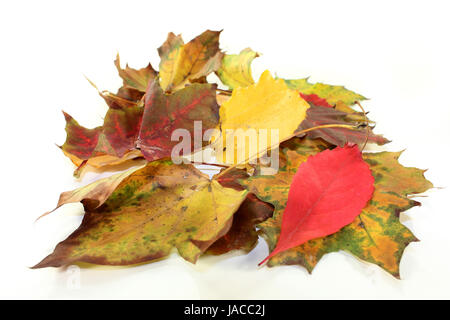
155,209
95,194
184,63
126,97
148,128
235,71
269,104
376,236
317,116
327,193
165,113
135,79
115,138
242,234
314,99
332,94
142,213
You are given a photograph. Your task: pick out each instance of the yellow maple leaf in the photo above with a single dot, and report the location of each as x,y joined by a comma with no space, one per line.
268,106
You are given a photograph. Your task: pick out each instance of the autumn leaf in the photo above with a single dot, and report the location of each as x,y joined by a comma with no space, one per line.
268,104
112,143
135,79
222,98
129,94
318,116
314,99
165,113
95,194
332,94
155,209
326,196
327,192
235,71
375,236
105,162
184,63
117,101
126,97
242,234
80,142
147,128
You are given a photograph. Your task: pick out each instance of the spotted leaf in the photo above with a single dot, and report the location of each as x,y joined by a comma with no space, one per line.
332,94
375,236
155,209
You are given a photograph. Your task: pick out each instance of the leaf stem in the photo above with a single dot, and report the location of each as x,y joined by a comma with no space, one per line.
227,92
210,164
367,125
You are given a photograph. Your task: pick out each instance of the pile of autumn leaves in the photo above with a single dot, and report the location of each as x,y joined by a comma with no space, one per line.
327,195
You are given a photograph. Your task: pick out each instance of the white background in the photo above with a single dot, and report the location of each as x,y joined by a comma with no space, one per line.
394,52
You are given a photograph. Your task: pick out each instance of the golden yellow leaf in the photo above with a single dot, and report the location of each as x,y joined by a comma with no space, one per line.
266,105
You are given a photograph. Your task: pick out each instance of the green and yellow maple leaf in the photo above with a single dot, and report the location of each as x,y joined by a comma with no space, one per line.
153,210
376,236
332,94
236,71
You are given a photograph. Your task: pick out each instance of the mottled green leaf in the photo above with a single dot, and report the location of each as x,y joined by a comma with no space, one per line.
332,94
236,69
155,209
376,236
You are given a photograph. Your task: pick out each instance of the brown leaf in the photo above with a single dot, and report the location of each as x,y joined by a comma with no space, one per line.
243,234
182,64
317,116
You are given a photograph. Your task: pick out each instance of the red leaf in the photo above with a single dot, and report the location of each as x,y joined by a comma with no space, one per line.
165,113
117,135
317,116
327,193
316,100
121,128
149,128
80,141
